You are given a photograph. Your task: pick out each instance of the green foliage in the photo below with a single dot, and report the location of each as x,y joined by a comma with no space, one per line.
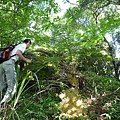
43,103
105,91
39,107
14,18
114,110
72,43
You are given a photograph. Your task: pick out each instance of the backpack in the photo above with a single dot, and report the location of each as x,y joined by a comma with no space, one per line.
5,53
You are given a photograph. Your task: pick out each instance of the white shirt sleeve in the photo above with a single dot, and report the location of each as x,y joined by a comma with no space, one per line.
21,47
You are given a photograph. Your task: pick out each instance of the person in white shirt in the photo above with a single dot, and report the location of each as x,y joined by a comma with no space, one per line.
8,73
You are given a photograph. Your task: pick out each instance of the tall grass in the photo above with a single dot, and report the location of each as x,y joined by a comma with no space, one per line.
10,109
21,88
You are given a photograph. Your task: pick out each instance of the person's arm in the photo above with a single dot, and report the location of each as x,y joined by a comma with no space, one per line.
19,54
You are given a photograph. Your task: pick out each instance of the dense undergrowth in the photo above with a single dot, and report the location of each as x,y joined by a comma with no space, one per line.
98,100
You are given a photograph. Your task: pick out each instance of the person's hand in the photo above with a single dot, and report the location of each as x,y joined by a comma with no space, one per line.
28,60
